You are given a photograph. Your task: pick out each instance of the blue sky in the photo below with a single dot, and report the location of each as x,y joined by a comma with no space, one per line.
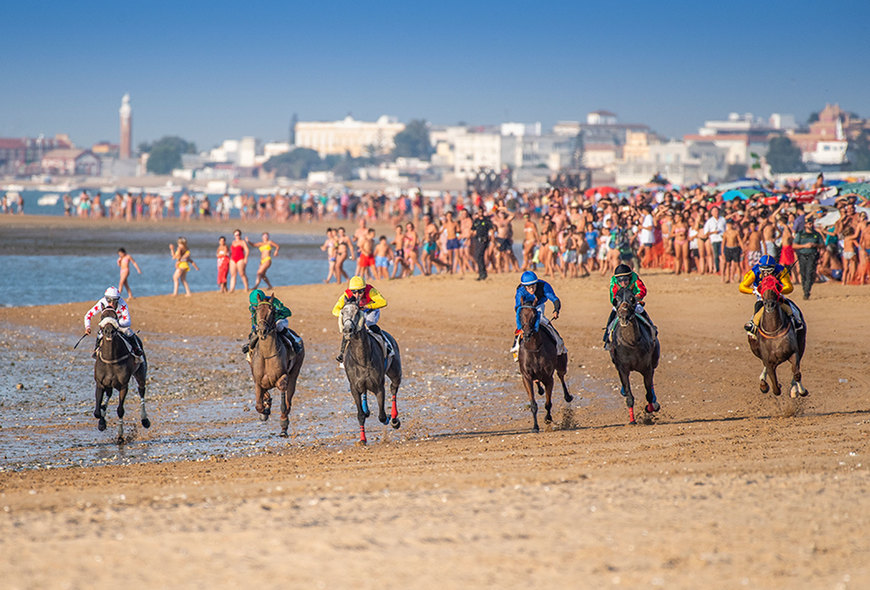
212,70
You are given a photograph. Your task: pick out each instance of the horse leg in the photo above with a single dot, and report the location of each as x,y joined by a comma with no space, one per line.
774,382
100,408
561,369
263,404
625,390
143,415
796,387
533,405
394,410
382,410
548,404
288,388
361,414
122,397
762,384
652,404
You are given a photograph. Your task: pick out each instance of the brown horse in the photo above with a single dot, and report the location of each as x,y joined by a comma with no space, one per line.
777,341
114,367
537,360
274,364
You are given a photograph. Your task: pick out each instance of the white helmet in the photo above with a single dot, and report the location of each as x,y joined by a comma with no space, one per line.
112,293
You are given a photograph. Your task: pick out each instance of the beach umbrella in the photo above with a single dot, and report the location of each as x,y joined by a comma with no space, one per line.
734,194
601,190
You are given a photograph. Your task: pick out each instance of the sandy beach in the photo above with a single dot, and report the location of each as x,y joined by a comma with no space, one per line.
726,487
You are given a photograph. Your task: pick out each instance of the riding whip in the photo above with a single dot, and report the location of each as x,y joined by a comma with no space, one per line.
80,341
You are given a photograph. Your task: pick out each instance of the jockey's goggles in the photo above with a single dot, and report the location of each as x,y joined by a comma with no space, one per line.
358,291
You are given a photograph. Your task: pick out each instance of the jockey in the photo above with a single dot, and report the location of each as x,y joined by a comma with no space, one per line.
367,298
749,285
282,313
624,277
535,292
112,299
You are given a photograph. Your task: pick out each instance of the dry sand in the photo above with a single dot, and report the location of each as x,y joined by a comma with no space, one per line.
726,488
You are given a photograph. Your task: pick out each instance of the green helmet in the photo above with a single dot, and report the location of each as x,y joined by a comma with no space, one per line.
255,296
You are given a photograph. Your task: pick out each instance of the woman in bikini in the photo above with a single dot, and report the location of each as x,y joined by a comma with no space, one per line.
343,251
265,246
223,264
412,243
680,232
183,262
330,246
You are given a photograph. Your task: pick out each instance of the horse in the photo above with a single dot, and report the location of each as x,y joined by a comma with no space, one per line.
634,347
777,341
273,364
538,359
366,367
113,368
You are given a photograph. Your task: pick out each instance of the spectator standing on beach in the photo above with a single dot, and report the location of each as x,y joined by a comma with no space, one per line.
265,246
481,228
330,246
343,251
183,262
124,262
239,252
808,243
223,264
383,255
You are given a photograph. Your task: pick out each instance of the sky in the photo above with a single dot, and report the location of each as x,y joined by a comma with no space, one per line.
209,71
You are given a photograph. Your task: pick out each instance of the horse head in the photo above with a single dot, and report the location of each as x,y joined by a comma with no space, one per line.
352,319
265,316
109,323
529,320
771,292
625,305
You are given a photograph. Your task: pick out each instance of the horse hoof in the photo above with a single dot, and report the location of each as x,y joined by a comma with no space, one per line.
360,443
102,425
283,434
633,422
653,407
548,420
146,423
383,420
535,429
395,423
569,398
764,387
803,391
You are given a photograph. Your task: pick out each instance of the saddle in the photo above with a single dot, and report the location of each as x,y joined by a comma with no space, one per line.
386,346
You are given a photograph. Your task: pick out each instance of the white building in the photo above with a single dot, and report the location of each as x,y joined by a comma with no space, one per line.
680,162
827,153
247,152
228,151
358,138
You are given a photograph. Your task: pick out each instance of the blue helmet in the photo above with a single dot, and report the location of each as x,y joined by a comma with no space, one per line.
528,278
767,261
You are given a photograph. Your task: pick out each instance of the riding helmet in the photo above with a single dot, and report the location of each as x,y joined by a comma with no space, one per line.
623,270
767,261
528,278
255,296
112,293
356,282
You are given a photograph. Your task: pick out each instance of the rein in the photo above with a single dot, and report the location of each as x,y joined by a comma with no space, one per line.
269,328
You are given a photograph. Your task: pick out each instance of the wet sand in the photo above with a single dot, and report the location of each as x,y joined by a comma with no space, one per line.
726,487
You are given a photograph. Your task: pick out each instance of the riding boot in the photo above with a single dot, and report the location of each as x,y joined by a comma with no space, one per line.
289,340
340,357
252,342
515,349
136,346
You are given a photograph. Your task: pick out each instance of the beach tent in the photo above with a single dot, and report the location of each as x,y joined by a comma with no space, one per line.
747,183
734,194
859,188
601,190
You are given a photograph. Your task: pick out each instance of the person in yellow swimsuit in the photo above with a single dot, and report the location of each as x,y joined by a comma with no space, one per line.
265,247
183,262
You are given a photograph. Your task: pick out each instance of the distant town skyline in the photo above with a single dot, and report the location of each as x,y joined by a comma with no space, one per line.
217,70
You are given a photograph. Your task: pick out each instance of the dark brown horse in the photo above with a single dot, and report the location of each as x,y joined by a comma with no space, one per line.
537,360
776,340
367,368
113,369
634,347
274,364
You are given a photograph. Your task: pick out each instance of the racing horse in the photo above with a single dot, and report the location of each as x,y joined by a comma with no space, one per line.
538,359
274,364
113,368
776,340
366,367
634,347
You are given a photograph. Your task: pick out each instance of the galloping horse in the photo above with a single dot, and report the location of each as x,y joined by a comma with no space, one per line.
538,360
274,364
777,340
114,367
366,367
634,347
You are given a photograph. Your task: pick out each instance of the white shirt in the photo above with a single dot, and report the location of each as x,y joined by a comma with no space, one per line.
714,228
647,236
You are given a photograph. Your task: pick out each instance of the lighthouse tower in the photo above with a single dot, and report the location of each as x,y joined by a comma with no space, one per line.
126,127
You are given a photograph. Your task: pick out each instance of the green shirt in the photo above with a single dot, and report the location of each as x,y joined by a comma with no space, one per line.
808,237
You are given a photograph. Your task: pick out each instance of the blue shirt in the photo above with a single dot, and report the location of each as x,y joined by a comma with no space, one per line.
543,292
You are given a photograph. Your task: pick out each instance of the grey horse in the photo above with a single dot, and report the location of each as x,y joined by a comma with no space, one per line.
113,369
634,347
366,367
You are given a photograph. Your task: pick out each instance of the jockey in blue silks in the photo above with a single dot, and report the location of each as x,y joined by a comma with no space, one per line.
534,292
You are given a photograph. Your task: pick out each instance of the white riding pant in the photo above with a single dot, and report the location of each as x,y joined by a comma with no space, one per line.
560,344
372,317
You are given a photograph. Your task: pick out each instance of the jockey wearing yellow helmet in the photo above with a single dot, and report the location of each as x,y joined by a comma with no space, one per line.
367,298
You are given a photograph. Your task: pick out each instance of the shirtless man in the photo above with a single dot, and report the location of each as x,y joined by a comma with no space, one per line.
505,260
366,264
430,246
732,248
752,245
359,236
383,255
124,262
451,230
530,241
465,261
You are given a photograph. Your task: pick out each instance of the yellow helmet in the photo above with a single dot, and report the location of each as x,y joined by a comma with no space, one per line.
355,283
